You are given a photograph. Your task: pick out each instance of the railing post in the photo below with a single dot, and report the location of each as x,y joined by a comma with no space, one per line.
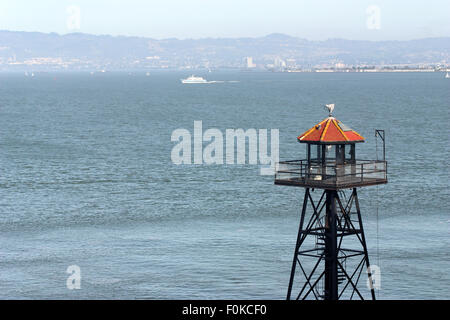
362,172
301,169
385,170
276,169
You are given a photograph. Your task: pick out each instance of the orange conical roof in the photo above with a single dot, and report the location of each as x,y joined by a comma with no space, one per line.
330,130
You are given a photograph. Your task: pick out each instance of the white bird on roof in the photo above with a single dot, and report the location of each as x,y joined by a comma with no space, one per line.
330,108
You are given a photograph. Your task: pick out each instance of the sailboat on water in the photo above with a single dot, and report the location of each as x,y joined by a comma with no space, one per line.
447,76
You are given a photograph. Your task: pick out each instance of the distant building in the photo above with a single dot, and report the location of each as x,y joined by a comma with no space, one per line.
290,63
279,63
250,63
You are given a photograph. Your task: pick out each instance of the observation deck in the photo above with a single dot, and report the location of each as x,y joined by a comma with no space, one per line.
329,175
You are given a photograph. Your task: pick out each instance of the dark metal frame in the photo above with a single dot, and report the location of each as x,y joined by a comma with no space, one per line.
381,134
337,224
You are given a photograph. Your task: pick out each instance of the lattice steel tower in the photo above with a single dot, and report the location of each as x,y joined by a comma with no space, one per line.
331,253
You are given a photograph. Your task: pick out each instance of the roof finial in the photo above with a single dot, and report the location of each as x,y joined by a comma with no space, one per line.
330,108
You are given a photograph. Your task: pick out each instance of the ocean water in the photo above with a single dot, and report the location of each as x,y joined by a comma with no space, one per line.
86,179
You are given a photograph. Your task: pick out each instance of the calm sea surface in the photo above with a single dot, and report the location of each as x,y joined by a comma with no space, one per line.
86,179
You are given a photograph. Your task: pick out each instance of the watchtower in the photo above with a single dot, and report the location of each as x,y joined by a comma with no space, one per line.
331,250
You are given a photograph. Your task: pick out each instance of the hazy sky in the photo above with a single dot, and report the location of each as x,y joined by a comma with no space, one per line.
311,19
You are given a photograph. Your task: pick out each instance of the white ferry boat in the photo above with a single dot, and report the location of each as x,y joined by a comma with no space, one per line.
194,79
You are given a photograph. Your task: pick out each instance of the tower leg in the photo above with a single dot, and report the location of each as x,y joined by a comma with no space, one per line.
297,245
363,243
331,274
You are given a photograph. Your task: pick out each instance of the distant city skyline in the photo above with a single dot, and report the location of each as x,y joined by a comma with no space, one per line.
312,20
32,51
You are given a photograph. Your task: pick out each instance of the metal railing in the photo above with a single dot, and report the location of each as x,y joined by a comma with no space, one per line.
360,171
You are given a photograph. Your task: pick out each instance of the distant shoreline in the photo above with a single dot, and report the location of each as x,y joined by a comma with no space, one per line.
27,72
34,51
